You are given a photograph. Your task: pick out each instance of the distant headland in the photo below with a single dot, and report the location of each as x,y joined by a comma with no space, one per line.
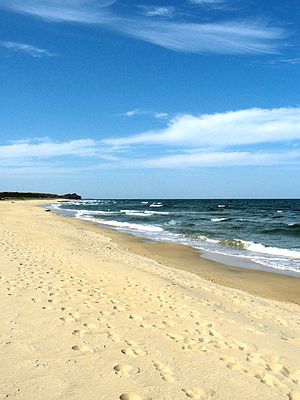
32,195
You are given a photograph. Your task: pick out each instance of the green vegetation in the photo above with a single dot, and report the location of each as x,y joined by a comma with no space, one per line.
32,195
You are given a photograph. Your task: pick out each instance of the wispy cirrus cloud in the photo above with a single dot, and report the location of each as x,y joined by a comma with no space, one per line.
207,2
28,49
290,61
38,149
131,113
229,37
218,38
221,159
81,11
158,11
137,112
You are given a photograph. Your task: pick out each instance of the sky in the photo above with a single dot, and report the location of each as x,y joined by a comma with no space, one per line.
150,99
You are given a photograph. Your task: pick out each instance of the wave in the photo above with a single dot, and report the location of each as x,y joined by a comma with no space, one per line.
146,213
93,212
156,205
260,248
134,213
127,225
56,206
172,222
218,219
274,251
157,212
120,225
254,247
204,238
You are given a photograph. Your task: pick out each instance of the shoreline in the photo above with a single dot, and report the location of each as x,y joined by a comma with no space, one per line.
272,285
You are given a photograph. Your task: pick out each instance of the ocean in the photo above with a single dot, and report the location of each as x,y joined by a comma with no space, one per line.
263,234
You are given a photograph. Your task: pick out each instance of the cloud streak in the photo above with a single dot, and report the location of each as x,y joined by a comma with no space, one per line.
228,37
152,11
207,2
28,49
137,112
222,159
234,128
219,38
28,149
81,11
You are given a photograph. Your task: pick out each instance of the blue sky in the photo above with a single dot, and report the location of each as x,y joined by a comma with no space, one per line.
191,98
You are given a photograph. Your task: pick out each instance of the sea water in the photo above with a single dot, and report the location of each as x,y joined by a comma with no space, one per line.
263,232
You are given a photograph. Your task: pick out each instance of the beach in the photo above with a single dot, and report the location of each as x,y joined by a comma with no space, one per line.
88,313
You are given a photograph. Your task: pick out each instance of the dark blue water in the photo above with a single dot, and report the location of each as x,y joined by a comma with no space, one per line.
266,232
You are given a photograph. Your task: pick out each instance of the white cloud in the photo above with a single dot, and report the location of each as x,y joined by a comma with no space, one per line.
161,115
83,11
220,37
48,149
131,113
234,128
206,2
138,112
223,139
291,61
28,49
217,159
152,11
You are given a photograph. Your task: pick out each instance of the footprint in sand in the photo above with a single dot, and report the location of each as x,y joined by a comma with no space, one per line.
197,393
232,363
125,370
135,317
82,348
90,325
129,396
113,337
134,352
174,336
79,332
165,372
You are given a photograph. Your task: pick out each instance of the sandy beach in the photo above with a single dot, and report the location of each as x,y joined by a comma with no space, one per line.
92,314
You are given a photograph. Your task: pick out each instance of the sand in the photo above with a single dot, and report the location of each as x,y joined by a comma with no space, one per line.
84,316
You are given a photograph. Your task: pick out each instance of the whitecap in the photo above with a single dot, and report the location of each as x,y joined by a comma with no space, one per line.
134,213
156,205
274,251
129,226
157,212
